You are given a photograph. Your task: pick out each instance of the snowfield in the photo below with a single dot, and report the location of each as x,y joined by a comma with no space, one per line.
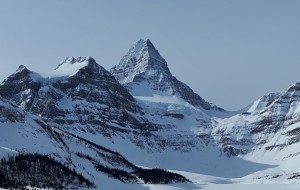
250,187
205,187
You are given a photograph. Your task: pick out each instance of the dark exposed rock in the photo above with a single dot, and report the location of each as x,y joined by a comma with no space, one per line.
175,115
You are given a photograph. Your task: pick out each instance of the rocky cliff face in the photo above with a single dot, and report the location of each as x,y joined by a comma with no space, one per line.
281,115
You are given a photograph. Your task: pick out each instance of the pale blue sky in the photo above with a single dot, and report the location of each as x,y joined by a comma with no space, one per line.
231,52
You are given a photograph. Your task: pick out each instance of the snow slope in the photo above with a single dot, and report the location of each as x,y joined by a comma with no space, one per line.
24,132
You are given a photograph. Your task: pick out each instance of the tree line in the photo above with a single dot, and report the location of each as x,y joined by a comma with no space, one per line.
40,171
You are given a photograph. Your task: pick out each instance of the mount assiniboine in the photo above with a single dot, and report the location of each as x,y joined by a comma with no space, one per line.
138,127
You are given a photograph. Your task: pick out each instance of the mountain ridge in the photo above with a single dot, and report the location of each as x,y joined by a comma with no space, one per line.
141,112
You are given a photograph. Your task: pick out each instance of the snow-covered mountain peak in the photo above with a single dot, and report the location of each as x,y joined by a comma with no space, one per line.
140,58
261,103
21,68
70,59
295,87
145,73
74,60
69,67
21,73
81,78
141,49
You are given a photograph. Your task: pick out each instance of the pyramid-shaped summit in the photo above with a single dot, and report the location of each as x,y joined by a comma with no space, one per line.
142,58
144,72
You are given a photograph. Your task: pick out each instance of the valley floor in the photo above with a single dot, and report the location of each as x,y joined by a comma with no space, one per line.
219,187
230,187
200,182
205,182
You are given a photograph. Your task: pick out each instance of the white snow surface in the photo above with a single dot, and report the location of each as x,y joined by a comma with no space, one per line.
70,66
24,134
261,103
163,99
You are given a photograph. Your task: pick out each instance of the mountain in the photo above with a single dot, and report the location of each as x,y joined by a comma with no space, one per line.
268,132
82,98
265,129
75,111
78,91
36,92
144,72
261,103
266,121
106,130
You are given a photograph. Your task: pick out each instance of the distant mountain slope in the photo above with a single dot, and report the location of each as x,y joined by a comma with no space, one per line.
23,132
268,132
28,140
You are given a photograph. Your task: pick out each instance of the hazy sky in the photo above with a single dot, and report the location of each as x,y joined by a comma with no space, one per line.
231,52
